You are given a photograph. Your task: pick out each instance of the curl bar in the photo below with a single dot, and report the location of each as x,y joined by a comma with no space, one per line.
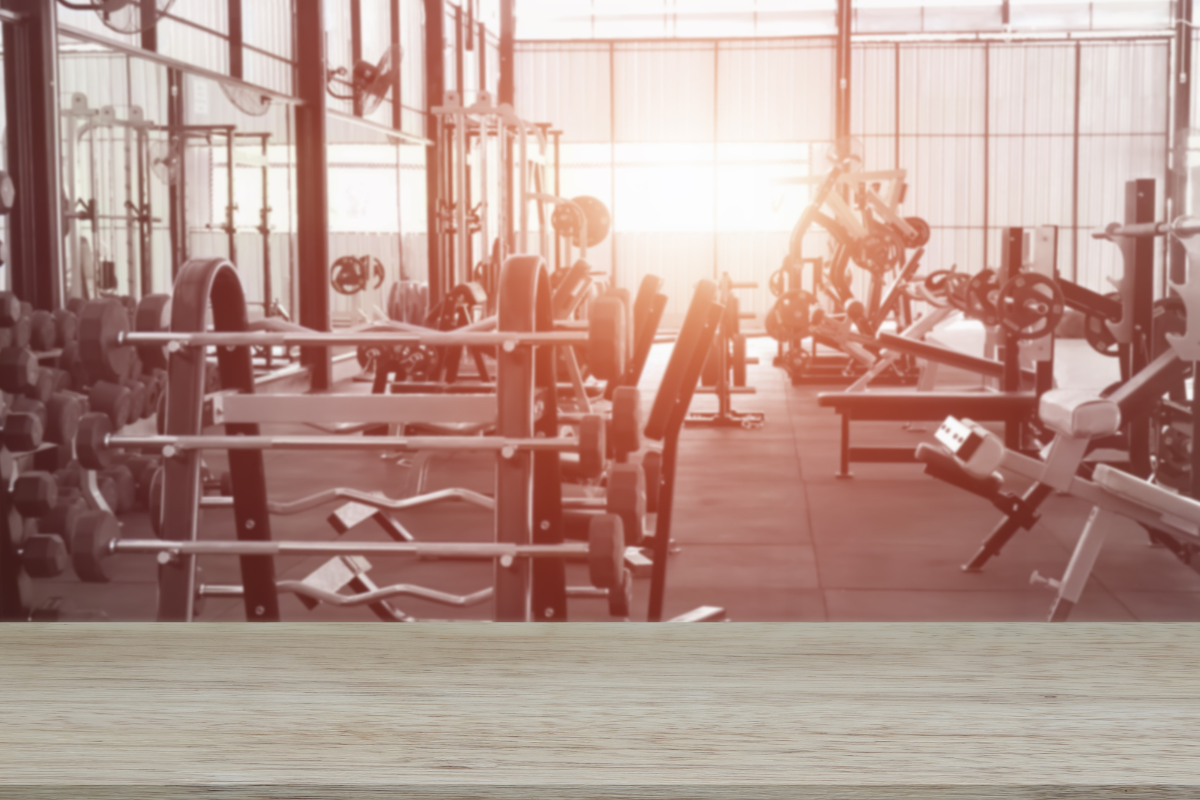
604,551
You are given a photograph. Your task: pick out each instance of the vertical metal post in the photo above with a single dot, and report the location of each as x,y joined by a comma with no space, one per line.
435,86
612,155
1139,207
508,27
1075,171
460,84
236,66
841,95
896,100
481,55
1010,265
149,9
356,49
507,94
716,239
312,187
987,154
1178,177
177,208
31,106
394,38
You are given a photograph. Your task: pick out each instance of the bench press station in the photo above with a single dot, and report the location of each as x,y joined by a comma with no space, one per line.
1027,339
1170,518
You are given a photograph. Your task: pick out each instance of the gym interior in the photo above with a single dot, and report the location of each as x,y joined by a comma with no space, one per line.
831,310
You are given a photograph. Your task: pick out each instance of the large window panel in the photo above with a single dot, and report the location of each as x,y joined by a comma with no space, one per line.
568,85
664,92
775,91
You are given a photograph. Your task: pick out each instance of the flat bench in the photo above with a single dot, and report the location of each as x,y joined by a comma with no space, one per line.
1011,408
468,711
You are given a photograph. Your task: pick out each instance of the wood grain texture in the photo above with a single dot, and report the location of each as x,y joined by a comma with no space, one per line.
538,712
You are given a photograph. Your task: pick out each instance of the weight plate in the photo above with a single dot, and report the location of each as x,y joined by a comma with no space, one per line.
1030,306
920,236
101,323
980,294
1099,335
153,315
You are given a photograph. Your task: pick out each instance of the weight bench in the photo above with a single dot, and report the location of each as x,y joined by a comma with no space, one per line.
1011,408
976,455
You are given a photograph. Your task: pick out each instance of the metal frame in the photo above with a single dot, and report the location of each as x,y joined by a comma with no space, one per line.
31,100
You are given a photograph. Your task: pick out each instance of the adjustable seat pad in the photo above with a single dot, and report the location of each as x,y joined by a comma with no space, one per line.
1079,414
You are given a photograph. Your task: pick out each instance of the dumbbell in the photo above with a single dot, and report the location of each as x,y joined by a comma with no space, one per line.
63,518
70,362
44,555
142,469
43,334
22,432
22,329
106,485
48,381
63,412
98,537
19,370
606,569
137,399
625,423
66,326
124,488
54,457
113,400
27,405
625,498
34,494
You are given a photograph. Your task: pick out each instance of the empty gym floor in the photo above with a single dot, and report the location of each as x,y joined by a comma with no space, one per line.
763,528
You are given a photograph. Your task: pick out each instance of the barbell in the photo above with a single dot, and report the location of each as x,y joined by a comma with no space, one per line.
99,537
107,346
96,443
1182,227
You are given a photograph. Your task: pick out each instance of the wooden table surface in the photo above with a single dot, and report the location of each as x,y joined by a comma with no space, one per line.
538,712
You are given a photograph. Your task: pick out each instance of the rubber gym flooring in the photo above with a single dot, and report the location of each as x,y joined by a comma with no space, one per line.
762,528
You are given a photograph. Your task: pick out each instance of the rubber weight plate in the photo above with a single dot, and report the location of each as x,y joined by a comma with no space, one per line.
626,420
100,326
89,551
607,338
591,446
626,498
606,550
153,315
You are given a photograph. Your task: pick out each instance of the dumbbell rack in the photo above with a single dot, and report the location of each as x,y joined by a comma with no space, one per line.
728,354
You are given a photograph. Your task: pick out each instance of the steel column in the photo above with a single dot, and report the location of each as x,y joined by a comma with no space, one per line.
1178,177
31,106
312,187
435,88
394,38
841,95
236,65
